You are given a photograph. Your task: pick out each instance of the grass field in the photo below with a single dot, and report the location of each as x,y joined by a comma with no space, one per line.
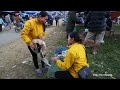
106,63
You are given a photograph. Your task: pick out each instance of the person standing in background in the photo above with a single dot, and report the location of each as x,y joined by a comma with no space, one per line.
8,20
57,20
71,20
1,23
96,24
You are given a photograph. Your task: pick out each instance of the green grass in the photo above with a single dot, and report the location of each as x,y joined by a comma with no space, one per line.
107,60
116,27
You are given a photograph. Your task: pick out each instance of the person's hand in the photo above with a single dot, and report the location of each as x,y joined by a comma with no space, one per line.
54,59
42,38
31,45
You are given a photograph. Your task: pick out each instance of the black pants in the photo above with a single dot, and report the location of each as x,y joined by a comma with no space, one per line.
57,23
0,27
63,75
35,59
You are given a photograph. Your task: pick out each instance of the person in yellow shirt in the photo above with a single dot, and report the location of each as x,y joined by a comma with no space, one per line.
35,29
74,60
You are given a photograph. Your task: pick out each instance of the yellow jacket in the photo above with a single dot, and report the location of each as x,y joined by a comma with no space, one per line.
32,30
75,59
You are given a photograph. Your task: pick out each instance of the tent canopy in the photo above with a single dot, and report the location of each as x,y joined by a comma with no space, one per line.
8,11
30,12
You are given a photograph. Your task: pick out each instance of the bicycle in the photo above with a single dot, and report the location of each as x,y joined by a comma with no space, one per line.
7,27
18,28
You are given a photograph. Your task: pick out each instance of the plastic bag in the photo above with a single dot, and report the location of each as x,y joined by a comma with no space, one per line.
60,52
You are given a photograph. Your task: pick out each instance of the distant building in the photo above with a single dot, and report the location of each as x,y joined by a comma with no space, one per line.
115,14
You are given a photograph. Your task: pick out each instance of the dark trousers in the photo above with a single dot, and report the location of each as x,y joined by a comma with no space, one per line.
35,59
63,75
0,27
57,23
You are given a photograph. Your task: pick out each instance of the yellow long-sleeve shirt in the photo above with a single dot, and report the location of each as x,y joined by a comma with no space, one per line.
32,30
75,59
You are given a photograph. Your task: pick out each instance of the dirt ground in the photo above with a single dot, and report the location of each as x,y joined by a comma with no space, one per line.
15,58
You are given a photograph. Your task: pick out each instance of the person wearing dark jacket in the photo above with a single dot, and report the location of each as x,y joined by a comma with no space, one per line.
57,20
50,19
108,27
96,24
71,20
109,24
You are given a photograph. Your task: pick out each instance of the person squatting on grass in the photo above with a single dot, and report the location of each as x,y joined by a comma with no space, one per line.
74,60
35,29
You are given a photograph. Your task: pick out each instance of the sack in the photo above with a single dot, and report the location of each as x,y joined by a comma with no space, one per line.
51,71
60,52
85,73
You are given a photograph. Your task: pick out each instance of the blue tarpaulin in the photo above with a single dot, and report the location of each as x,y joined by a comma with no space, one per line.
54,67
30,12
